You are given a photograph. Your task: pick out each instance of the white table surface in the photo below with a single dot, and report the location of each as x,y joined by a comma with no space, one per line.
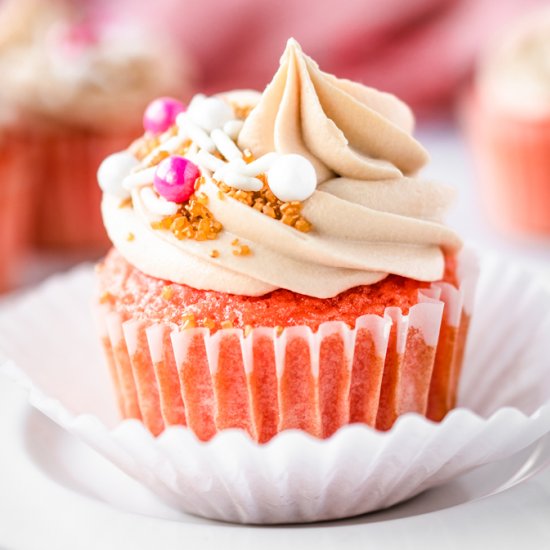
38,511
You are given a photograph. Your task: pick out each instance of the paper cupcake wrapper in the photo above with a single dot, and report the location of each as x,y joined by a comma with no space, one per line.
295,477
513,164
16,198
265,382
67,201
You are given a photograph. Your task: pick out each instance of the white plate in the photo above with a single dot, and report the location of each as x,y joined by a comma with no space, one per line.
47,502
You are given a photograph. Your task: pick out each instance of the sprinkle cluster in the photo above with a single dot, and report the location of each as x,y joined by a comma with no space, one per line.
267,203
192,221
181,147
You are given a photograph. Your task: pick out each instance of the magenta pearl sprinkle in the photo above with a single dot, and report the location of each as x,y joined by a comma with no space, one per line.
175,178
161,113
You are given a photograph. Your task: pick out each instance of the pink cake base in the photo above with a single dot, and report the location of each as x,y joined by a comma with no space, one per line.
264,381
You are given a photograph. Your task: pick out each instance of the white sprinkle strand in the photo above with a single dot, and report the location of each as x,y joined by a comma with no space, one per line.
190,130
157,205
260,165
233,128
139,179
238,181
205,159
225,145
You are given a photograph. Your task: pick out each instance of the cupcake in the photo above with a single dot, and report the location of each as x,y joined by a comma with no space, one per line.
16,199
74,86
508,123
278,265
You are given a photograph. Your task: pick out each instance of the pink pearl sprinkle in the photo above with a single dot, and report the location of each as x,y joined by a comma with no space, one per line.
175,179
161,113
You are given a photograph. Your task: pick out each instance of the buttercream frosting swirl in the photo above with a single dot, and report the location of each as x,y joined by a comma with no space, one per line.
342,127
368,219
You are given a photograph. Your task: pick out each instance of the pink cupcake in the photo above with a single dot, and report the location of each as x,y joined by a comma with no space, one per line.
75,88
508,124
279,265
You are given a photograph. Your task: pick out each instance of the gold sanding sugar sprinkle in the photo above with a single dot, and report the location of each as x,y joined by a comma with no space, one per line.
157,159
247,330
202,198
125,203
278,330
144,145
241,111
130,237
242,250
188,321
208,323
214,253
192,221
226,324
264,201
167,292
161,154
106,298
248,157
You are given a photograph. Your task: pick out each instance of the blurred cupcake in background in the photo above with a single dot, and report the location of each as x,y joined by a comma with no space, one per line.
15,209
74,83
508,123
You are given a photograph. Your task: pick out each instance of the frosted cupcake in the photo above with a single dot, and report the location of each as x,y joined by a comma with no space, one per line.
277,264
75,89
508,122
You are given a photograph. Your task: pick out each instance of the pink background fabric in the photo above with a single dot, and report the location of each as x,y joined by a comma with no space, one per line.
422,50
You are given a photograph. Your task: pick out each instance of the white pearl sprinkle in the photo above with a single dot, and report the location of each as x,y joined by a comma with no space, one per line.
190,130
233,128
226,146
157,205
139,179
210,113
292,178
195,100
112,172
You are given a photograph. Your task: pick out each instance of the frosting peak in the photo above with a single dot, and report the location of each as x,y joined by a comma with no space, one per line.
342,127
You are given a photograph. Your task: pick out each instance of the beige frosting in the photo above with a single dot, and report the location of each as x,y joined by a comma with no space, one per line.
342,127
109,83
364,227
515,73
361,233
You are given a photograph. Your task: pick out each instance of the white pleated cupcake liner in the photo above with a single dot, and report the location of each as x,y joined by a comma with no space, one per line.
158,368
296,477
